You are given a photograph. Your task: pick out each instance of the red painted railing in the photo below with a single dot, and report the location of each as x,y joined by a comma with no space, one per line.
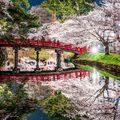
44,43
48,76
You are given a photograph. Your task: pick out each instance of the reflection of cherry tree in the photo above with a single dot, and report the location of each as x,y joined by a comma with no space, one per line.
103,89
106,87
116,107
79,90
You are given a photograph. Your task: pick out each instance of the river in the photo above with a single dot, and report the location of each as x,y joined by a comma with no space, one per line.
94,95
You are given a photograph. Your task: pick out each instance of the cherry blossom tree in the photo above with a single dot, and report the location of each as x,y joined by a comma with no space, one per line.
67,32
100,25
103,23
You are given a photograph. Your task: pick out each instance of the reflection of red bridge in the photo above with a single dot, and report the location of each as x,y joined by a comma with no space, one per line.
43,43
46,76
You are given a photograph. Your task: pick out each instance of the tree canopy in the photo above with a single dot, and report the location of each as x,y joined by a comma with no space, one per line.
64,8
15,19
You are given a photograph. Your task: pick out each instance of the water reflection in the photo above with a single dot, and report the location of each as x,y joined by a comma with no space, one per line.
93,95
95,76
87,92
14,103
44,76
38,115
109,87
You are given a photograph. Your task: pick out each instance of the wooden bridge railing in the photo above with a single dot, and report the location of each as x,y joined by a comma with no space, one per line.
44,43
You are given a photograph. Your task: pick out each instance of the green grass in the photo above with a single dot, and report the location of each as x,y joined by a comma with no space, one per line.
102,73
85,67
70,54
106,74
101,57
43,54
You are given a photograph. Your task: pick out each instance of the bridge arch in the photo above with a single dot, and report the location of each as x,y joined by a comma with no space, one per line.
16,44
43,43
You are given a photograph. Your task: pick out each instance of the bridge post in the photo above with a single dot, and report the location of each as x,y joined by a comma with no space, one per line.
16,49
37,59
59,52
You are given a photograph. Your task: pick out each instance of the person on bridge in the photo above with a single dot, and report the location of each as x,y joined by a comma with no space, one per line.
67,61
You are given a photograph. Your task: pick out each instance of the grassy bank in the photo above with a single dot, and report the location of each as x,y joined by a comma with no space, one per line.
101,72
101,57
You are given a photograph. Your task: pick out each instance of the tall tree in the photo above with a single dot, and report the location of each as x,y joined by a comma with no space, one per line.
106,26
100,25
64,8
103,24
15,21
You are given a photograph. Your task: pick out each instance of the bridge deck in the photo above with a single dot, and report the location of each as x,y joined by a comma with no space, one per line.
45,75
43,43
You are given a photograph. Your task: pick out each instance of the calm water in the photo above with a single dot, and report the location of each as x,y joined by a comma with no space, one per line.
76,89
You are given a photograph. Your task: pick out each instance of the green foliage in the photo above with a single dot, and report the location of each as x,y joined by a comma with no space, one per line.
5,95
102,73
43,54
22,3
17,104
55,106
15,19
64,8
101,57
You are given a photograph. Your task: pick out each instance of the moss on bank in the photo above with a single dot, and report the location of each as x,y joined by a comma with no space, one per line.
101,57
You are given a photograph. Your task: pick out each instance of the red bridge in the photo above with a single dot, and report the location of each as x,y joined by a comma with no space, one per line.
43,43
63,75
16,44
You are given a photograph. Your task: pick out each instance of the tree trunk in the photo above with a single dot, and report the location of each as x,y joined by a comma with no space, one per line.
3,56
107,49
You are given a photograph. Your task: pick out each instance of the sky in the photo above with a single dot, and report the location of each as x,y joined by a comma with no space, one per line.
38,2
35,2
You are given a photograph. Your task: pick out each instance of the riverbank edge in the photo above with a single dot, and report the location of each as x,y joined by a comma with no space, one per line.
110,67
